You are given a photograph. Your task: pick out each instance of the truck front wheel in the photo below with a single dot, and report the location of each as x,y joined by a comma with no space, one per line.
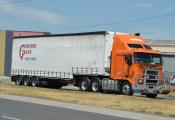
84,84
126,88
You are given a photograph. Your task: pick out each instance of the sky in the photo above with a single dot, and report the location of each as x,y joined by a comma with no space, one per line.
70,16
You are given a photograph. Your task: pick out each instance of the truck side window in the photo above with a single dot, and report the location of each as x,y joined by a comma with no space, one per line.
128,59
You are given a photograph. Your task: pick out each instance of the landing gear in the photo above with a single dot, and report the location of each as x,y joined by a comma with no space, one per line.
151,95
60,85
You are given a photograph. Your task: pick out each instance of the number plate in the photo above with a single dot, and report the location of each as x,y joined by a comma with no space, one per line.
150,90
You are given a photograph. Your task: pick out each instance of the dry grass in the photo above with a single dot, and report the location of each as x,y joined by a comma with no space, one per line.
172,94
128,103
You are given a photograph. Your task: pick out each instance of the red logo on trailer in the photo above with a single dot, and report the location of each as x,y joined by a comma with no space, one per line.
26,49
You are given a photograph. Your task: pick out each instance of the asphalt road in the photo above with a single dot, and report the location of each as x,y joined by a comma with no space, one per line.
15,110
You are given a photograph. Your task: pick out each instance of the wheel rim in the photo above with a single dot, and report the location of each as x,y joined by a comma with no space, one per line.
95,86
17,82
84,85
25,82
126,89
33,83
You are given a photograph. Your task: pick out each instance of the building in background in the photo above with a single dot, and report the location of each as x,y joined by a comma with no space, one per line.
167,47
28,33
6,39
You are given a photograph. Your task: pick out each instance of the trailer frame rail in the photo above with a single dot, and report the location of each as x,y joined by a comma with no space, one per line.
41,73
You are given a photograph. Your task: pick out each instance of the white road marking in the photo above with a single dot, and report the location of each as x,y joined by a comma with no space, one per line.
9,118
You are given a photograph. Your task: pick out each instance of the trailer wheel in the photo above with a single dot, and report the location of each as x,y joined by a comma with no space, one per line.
18,81
126,88
84,84
151,95
96,85
26,81
35,82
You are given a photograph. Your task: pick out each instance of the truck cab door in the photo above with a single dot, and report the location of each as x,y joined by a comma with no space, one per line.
117,66
121,66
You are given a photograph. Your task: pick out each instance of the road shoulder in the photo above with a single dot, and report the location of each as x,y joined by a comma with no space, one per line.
117,113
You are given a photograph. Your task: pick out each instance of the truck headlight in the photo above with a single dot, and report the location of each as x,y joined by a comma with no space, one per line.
140,81
147,77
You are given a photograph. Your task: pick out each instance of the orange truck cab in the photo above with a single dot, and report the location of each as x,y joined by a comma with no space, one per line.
136,65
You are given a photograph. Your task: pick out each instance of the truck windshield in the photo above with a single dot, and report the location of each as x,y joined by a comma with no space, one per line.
147,58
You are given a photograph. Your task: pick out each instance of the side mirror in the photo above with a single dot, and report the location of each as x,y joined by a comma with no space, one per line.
128,59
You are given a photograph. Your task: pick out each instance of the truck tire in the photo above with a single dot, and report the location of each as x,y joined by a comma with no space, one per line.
151,95
18,80
84,84
35,82
26,81
96,85
126,88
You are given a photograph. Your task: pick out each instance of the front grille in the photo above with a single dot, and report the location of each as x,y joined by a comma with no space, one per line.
150,72
151,81
151,76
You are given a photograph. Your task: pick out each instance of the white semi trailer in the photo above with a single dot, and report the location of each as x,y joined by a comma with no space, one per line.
61,56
